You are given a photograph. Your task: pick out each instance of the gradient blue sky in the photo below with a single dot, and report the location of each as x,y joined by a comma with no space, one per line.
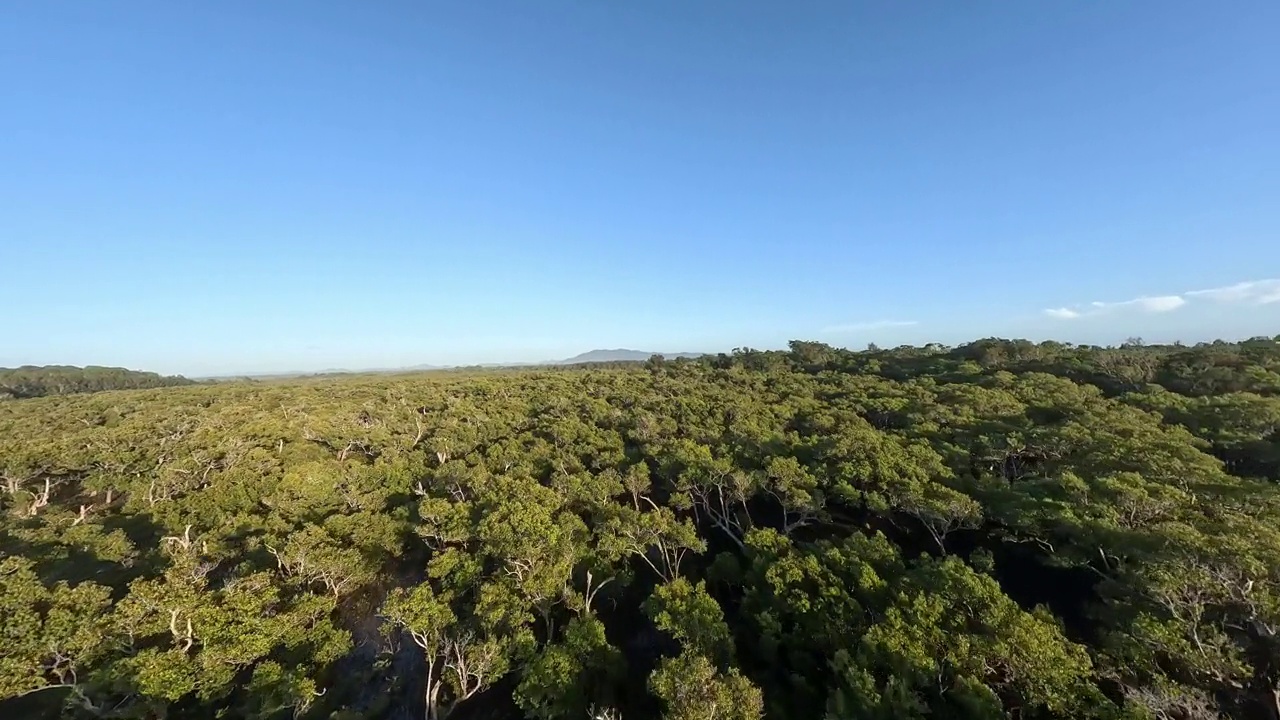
227,187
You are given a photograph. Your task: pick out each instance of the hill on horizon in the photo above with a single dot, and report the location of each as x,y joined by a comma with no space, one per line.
598,355
30,381
622,355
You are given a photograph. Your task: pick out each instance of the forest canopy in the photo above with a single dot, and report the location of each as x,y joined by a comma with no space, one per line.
31,381
1002,529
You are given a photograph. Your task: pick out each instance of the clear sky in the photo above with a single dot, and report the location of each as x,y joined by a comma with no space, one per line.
219,187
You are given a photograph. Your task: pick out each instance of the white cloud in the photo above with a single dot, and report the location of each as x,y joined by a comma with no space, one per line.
869,325
1157,304
1252,292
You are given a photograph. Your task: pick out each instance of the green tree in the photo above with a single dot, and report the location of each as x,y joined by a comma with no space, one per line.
691,688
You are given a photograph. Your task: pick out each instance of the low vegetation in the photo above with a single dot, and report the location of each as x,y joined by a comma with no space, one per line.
1003,529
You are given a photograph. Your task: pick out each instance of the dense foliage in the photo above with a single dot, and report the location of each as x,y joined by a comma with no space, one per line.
1004,529
31,381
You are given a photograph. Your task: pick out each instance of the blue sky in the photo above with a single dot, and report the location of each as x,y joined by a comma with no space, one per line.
253,186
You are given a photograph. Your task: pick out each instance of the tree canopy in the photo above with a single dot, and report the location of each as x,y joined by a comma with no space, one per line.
1004,529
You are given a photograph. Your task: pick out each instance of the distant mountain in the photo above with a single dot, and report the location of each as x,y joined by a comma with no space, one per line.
621,355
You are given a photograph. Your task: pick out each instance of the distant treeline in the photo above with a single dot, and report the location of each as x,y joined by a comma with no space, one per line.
1200,370
31,381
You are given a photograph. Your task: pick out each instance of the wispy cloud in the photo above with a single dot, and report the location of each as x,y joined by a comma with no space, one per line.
1252,292
1158,304
868,325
